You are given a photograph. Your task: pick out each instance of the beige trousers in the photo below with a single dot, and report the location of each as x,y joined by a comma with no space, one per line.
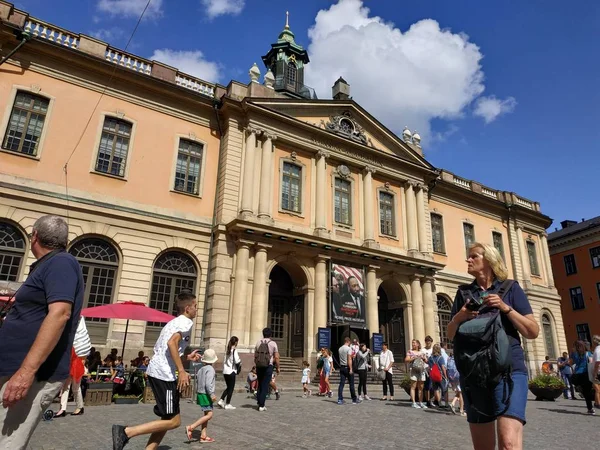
19,421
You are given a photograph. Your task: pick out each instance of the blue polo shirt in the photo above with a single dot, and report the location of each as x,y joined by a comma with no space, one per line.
53,278
516,299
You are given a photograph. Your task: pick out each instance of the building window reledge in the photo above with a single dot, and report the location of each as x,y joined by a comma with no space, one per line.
114,147
12,252
291,187
583,332
595,255
343,202
533,260
26,124
437,233
469,234
189,167
577,300
570,265
444,317
548,336
498,244
387,225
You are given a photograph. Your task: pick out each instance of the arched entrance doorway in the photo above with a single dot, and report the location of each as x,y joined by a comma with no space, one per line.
286,309
391,317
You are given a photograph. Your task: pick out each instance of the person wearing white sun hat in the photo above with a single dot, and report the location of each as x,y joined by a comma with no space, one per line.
205,395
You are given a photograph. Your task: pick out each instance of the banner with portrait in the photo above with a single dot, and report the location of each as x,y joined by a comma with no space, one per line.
347,295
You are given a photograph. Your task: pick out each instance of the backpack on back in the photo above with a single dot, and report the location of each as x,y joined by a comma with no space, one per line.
418,366
435,374
263,354
482,349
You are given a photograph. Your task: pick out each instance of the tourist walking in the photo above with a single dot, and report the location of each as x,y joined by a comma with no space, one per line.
328,369
266,357
386,360
437,373
306,392
231,366
454,381
37,334
566,372
596,369
579,360
363,366
427,350
346,372
166,377
417,360
205,396
498,409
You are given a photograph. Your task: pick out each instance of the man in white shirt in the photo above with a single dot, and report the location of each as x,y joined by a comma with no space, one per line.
171,343
386,359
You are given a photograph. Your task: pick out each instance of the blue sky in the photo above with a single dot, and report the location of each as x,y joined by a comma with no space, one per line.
506,93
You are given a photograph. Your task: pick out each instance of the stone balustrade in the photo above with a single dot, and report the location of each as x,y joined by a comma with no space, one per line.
195,84
52,33
525,203
128,61
489,192
461,182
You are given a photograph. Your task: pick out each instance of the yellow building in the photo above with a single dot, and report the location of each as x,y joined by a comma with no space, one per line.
260,197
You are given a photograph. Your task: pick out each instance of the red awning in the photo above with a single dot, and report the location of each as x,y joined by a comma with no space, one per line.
128,310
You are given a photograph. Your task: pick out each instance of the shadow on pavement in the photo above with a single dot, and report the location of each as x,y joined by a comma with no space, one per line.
565,411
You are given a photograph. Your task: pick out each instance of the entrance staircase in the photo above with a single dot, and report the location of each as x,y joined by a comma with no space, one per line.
397,376
290,370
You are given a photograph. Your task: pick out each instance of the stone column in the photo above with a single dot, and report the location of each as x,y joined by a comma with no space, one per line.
260,300
321,196
411,216
310,330
524,256
265,199
240,289
546,256
320,294
247,187
368,204
428,316
416,295
421,220
372,309
408,324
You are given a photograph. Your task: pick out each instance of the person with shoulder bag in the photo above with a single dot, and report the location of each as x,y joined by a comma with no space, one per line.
489,316
580,359
231,367
416,358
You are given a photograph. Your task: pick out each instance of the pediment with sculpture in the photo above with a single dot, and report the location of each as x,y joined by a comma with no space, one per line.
346,126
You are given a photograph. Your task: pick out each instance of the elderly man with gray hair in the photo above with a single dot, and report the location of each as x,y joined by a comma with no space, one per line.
36,336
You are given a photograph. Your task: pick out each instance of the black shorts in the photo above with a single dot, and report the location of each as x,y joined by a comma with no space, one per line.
167,397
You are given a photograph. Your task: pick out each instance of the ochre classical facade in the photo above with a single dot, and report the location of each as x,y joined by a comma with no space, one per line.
247,194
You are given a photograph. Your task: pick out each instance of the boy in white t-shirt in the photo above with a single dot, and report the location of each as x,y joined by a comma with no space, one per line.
173,339
306,379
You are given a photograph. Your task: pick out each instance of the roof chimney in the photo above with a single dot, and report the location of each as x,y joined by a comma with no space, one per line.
568,223
340,90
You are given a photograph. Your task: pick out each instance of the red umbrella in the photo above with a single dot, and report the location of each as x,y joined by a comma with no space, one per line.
128,310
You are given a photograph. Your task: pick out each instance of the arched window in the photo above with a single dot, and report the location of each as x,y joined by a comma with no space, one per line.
99,263
292,74
548,336
12,252
444,310
173,272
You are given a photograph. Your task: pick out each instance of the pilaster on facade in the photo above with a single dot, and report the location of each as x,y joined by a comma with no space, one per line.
230,162
240,289
545,254
427,286
411,216
369,209
321,297
416,295
525,270
371,297
321,199
421,220
260,301
265,201
248,180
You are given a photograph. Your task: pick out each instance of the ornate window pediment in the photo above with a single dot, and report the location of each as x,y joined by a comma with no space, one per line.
345,125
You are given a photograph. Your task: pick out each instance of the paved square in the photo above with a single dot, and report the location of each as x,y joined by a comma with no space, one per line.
297,423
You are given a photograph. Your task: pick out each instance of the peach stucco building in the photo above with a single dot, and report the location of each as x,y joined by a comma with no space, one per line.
250,194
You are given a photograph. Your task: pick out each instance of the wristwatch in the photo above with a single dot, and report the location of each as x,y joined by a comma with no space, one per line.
509,311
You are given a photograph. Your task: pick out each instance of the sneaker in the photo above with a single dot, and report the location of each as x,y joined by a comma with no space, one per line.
423,406
309,393
462,413
262,408
340,402
221,403
119,438
367,397
356,401
277,395
330,394
414,405
452,410
360,397
229,406
304,395
591,412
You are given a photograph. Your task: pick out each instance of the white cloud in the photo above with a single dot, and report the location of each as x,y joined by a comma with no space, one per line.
215,8
109,35
489,108
131,8
403,78
190,62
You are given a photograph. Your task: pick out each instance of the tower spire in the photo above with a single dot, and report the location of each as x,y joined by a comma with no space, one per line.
287,20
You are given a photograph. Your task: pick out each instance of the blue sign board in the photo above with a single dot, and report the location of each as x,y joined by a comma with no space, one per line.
377,342
324,338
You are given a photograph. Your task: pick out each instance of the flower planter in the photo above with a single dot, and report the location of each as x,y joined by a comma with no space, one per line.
542,393
148,396
126,401
96,386
98,397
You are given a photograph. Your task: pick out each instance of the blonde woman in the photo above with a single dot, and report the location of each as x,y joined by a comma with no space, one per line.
491,414
417,360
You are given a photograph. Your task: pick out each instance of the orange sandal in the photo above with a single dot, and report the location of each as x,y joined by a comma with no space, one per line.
188,433
206,439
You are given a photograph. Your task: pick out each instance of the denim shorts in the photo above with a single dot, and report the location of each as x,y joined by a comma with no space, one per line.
483,405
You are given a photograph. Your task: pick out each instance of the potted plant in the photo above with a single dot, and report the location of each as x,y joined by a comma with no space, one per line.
100,385
546,387
126,399
405,384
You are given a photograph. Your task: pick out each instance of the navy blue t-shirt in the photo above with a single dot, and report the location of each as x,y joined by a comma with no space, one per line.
55,277
517,300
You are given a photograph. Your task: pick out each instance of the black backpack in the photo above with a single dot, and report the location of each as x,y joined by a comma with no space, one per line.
482,350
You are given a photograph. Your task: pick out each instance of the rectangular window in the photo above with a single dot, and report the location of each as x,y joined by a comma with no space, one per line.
498,244
188,168
26,123
595,255
533,261
577,298
437,233
469,233
114,146
386,214
583,332
291,187
570,266
343,201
